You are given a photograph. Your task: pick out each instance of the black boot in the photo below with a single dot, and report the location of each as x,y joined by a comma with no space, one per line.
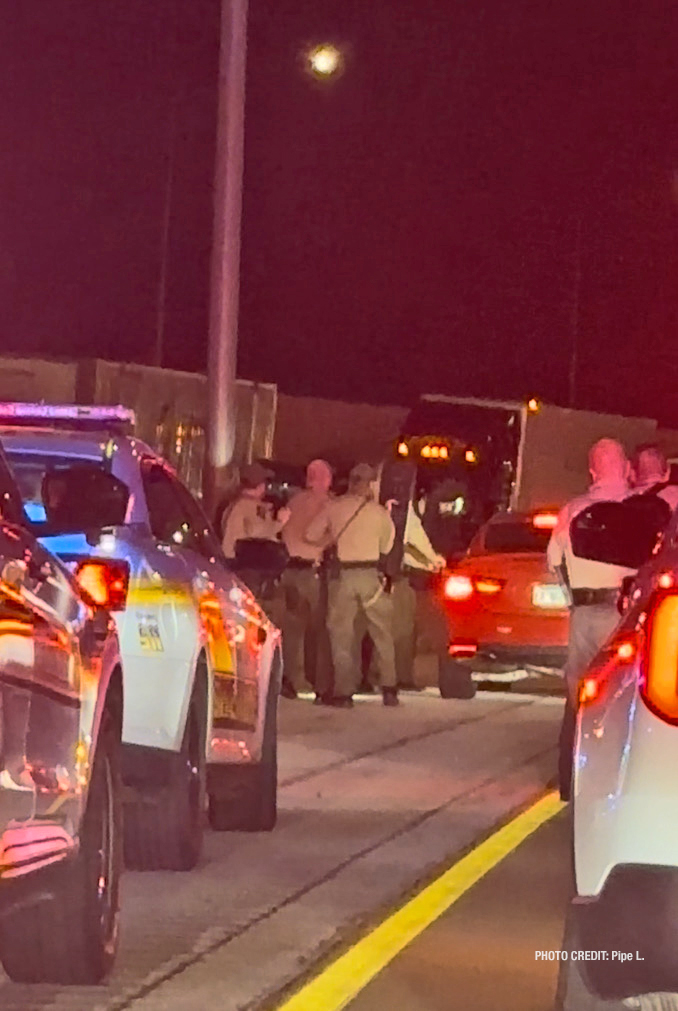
390,696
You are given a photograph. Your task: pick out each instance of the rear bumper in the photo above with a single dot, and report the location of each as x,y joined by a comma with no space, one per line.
496,658
634,924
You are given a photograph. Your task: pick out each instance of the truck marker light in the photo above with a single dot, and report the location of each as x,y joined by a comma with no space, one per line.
458,587
435,452
471,456
533,405
426,452
444,453
403,449
544,521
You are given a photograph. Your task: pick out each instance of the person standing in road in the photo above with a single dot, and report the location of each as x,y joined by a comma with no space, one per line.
249,516
306,651
650,474
593,586
361,531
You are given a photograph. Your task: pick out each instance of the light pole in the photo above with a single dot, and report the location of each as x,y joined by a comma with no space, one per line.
225,272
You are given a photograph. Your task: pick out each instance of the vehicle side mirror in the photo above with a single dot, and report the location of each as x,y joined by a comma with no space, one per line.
620,533
260,555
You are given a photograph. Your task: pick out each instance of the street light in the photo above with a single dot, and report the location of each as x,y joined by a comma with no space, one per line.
325,60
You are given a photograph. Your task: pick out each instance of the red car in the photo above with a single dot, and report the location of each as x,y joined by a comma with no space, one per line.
506,611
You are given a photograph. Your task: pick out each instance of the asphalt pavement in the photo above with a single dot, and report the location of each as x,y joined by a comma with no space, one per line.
373,802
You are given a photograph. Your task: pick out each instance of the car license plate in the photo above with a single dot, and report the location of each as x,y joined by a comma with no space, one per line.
549,596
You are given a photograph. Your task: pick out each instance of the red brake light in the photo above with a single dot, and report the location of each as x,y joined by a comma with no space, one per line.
458,587
659,686
622,650
544,521
105,581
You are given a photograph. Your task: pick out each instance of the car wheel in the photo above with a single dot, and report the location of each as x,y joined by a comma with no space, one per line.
164,830
70,934
455,679
574,992
244,798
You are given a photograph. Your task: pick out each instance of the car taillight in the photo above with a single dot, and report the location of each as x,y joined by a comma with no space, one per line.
659,683
545,521
105,581
458,587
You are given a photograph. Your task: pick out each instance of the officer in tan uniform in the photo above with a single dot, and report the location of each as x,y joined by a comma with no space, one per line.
593,586
306,650
362,532
249,516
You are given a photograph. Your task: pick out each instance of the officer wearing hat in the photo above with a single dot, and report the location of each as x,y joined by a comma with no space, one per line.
249,516
360,531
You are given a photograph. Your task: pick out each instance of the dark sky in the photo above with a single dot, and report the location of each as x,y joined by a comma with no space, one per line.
410,227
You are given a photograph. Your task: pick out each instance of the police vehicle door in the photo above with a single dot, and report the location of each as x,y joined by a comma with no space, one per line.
163,612
224,614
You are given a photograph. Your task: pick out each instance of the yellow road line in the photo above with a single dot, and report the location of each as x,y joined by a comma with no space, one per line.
334,988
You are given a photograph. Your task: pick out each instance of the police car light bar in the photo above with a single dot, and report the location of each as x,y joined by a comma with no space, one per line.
10,412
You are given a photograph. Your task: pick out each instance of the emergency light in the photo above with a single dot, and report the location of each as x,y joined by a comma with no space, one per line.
22,413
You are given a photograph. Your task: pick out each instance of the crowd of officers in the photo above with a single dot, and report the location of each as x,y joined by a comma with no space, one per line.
594,586
333,592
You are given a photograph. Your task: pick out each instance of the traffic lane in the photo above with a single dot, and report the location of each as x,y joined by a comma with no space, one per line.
481,953
371,802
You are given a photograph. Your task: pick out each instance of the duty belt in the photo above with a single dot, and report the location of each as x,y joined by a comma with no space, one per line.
588,598
358,565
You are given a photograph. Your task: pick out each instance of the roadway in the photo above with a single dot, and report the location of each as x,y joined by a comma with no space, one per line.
373,802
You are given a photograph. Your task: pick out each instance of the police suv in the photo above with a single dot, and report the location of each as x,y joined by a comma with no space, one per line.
60,793
201,661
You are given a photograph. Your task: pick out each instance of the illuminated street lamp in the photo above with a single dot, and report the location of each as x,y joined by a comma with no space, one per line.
325,60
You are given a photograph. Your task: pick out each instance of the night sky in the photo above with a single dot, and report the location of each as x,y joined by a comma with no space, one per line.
410,227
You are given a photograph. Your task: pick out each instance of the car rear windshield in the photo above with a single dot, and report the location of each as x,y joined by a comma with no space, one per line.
515,537
65,494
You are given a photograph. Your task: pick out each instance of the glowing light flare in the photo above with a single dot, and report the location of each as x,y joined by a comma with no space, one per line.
533,405
403,449
544,521
470,456
106,582
458,587
488,585
666,581
444,453
426,452
660,684
589,690
325,60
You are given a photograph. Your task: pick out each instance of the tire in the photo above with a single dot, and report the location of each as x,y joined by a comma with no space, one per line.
71,935
164,829
455,680
245,797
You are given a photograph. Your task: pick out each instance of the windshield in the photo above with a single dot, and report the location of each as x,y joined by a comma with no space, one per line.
507,538
63,494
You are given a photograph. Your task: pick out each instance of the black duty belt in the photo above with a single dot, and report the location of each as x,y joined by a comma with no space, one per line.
300,563
358,565
589,598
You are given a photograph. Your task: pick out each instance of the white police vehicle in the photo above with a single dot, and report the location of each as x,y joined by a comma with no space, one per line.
201,661
625,794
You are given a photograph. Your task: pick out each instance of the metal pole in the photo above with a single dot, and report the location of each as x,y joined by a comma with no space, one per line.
161,308
225,276
576,299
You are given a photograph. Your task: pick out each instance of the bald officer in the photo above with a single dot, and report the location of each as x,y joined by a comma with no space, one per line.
594,586
362,531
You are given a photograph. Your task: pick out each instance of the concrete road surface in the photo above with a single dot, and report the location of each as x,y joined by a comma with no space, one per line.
372,802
